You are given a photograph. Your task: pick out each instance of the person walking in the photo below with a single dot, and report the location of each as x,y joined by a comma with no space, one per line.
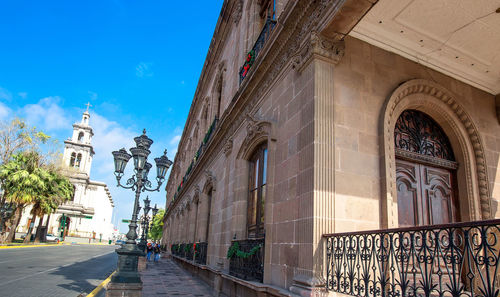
156,250
149,250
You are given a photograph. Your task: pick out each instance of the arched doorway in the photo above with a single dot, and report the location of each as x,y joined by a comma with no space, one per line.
425,172
64,222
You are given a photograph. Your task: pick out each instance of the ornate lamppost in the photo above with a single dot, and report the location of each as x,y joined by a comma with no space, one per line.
144,224
127,277
155,210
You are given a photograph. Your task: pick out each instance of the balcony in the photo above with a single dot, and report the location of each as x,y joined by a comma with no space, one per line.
259,44
200,253
247,259
457,260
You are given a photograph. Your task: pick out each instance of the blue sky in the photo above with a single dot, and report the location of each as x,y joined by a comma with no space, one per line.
136,62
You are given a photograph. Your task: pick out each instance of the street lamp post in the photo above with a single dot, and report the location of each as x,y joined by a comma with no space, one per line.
127,277
144,224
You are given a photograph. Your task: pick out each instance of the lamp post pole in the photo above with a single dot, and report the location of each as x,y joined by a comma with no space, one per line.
127,278
144,224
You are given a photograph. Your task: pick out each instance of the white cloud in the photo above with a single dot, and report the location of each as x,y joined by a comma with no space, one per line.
143,69
175,140
109,136
47,113
5,94
4,111
22,95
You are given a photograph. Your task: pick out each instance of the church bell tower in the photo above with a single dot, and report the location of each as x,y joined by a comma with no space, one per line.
78,150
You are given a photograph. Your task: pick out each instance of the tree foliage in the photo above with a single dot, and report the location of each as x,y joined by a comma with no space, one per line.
157,225
28,176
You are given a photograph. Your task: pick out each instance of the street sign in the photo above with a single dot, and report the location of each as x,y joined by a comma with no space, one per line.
88,217
125,221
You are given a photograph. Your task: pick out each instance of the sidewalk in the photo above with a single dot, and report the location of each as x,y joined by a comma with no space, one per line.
166,278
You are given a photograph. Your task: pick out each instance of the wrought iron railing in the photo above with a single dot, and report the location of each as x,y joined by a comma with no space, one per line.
247,259
182,250
456,260
174,249
188,251
200,253
259,44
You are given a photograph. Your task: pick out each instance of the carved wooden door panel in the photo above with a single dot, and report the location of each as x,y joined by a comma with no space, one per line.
425,194
409,193
438,195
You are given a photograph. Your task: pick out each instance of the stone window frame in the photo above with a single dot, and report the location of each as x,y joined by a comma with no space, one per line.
440,104
258,156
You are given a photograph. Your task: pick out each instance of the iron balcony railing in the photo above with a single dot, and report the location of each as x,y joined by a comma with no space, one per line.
188,251
259,44
200,253
456,260
182,250
247,259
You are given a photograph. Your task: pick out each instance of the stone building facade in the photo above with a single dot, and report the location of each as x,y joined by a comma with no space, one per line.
297,130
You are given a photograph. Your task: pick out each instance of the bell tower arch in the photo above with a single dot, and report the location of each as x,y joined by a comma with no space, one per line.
78,150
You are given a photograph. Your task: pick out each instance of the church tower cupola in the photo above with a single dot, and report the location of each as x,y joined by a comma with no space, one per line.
78,150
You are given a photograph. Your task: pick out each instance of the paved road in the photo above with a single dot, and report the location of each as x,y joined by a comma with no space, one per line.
55,271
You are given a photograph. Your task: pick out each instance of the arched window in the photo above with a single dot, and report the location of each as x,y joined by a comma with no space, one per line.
72,160
218,95
80,137
78,160
257,192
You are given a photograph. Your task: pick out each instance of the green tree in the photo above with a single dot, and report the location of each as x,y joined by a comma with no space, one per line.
59,190
27,180
15,137
157,225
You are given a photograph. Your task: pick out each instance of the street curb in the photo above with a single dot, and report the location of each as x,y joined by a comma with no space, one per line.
28,246
101,286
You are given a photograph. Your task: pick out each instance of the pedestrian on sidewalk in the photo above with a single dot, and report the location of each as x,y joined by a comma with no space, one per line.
157,252
149,250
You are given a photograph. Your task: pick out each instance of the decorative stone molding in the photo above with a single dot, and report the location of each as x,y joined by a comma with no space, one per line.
228,147
441,103
210,182
320,47
257,132
196,196
237,11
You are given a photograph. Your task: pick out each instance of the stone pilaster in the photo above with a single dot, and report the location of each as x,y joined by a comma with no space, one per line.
321,54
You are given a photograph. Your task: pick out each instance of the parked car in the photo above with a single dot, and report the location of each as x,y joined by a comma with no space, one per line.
52,237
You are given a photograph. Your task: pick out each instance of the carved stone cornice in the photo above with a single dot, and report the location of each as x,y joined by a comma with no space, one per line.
320,47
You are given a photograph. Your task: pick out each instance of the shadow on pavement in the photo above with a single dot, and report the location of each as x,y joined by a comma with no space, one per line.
86,275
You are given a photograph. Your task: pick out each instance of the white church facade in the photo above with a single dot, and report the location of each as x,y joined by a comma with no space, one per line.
89,214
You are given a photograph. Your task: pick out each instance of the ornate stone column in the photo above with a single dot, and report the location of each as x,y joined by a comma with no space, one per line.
318,56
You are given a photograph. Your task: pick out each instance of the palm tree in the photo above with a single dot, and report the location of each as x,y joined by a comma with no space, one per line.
21,180
59,190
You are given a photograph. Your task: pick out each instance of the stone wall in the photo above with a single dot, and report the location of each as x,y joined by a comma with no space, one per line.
326,119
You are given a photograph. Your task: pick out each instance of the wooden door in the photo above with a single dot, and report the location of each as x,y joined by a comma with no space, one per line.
426,194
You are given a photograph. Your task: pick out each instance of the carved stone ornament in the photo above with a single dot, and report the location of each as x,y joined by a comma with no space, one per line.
238,9
319,47
211,181
228,146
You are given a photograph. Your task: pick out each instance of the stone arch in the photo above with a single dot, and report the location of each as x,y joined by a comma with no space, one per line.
439,103
257,133
210,182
